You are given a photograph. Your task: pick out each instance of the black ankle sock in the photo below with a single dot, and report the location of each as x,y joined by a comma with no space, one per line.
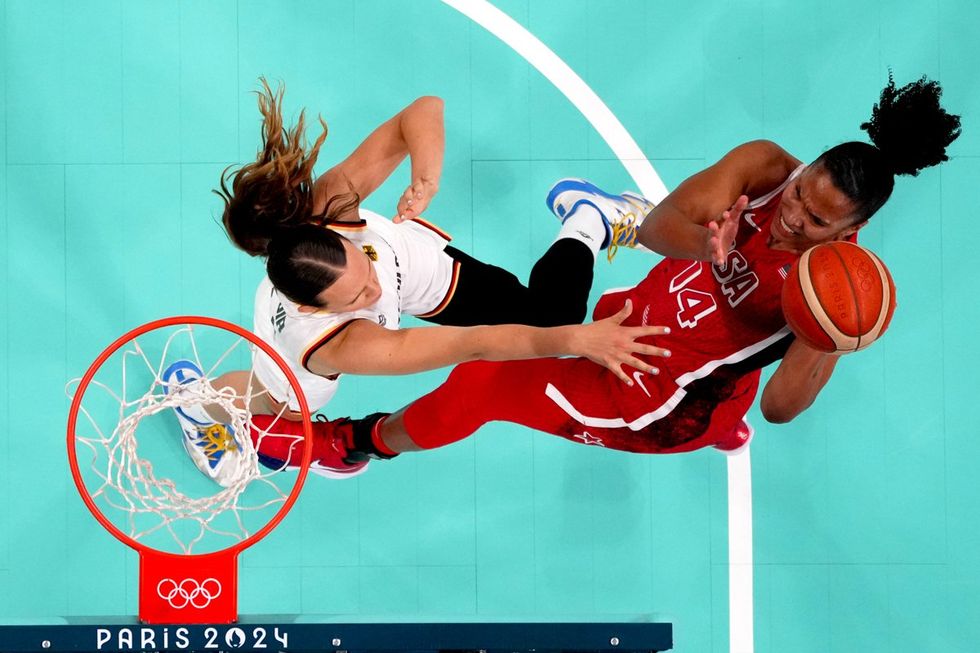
364,447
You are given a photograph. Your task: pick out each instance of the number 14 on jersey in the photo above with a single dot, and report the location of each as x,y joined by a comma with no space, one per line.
734,278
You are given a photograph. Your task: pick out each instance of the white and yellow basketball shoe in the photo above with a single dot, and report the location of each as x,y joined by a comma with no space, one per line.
622,214
212,446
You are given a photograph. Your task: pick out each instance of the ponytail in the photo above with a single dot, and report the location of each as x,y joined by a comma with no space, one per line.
275,192
909,130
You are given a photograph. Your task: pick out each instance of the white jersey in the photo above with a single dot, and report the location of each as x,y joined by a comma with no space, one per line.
416,275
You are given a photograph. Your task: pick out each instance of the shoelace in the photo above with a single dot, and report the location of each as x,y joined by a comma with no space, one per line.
342,449
215,441
337,443
623,235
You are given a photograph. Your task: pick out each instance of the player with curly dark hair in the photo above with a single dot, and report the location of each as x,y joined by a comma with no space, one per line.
719,291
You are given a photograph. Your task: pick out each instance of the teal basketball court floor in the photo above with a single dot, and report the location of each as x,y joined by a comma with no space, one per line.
119,118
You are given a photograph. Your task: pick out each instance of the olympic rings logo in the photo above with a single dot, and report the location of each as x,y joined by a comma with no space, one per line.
188,592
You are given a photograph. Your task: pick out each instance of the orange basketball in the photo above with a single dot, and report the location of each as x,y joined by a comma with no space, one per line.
838,297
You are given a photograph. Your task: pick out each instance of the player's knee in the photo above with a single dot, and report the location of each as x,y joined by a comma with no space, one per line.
455,409
465,375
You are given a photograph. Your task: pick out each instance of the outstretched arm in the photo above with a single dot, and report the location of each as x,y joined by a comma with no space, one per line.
797,381
699,219
366,348
416,131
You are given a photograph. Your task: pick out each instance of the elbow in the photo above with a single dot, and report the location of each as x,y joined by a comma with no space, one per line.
777,415
649,234
776,412
779,410
431,102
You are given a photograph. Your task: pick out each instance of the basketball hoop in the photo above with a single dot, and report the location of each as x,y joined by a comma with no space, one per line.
149,506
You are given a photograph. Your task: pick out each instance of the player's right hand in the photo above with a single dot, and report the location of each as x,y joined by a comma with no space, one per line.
416,199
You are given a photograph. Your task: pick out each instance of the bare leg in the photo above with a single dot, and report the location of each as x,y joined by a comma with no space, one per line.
260,403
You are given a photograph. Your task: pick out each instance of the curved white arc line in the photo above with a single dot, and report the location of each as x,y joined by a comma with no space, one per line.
572,87
512,33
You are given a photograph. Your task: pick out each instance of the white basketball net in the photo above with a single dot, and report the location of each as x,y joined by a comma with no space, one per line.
126,482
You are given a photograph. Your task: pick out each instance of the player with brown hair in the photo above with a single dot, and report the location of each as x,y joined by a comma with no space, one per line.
340,278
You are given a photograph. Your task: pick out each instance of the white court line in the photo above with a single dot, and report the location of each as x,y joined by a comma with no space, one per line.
740,608
572,86
648,181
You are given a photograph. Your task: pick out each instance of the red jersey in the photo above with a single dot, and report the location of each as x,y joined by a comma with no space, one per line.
718,316
726,324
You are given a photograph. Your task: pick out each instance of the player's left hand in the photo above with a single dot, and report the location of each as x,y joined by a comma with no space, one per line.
612,345
416,198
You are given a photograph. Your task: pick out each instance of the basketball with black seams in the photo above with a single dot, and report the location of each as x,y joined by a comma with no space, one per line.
838,297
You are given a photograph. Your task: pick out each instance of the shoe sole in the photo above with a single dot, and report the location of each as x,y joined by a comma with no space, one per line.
639,199
582,186
329,472
572,184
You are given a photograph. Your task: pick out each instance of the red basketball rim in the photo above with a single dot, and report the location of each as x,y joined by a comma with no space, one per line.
219,324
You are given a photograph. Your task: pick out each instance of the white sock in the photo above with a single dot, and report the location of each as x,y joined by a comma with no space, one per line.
585,224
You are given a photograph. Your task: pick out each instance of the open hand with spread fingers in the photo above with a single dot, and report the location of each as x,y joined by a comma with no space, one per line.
721,232
612,345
